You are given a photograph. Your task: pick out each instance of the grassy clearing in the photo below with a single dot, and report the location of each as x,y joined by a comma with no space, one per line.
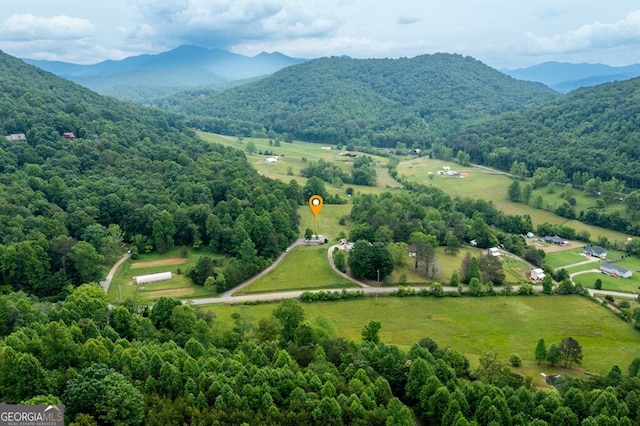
328,220
627,285
493,186
293,157
564,258
122,287
476,325
305,267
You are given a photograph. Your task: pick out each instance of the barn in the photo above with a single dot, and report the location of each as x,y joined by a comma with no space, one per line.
152,278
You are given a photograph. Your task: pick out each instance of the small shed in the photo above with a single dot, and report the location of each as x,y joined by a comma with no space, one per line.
16,137
152,278
537,274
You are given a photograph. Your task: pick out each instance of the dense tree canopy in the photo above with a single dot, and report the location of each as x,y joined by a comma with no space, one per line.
376,102
133,175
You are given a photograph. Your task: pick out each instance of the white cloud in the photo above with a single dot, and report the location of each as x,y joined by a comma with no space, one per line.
28,27
597,35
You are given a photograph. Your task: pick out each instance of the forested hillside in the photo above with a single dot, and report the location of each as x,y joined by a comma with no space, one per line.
589,130
132,175
371,101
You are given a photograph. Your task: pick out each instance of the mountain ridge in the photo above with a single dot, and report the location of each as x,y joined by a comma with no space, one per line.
565,77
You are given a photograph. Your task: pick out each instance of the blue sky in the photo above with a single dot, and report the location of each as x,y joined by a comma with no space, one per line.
501,33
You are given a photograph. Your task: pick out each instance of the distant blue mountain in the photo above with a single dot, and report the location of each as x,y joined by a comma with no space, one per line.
565,77
183,67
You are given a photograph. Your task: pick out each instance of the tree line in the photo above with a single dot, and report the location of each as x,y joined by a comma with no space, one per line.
174,363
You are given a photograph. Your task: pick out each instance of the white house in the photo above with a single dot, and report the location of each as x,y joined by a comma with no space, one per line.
153,278
270,160
537,274
494,251
616,271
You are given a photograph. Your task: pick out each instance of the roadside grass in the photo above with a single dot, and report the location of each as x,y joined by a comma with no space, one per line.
515,270
585,267
493,186
478,325
626,285
304,268
123,286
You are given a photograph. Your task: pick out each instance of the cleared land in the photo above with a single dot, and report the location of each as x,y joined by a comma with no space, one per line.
493,186
162,262
305,267
477,325
123,287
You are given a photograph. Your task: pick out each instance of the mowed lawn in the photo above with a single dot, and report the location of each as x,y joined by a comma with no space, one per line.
477,325
303,268
123,286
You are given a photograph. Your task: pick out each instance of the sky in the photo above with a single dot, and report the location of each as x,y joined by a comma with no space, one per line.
505,34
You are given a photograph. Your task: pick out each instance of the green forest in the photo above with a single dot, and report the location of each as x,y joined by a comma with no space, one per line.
172,365
376,102
138,178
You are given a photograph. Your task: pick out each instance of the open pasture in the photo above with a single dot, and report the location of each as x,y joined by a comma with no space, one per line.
174,261
492,186
303,268
477,325
328,220
293,157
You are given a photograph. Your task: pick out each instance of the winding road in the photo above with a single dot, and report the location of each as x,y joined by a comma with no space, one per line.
228,296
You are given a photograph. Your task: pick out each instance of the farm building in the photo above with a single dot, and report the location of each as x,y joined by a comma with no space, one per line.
616,271
16,137
494,251
595,251
152,278
537,274
555,240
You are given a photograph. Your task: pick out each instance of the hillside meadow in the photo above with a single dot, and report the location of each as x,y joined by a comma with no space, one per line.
491,185
475,325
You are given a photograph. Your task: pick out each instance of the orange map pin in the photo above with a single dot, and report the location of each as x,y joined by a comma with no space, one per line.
315,204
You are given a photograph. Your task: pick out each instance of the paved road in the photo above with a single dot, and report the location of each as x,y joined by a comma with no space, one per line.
228,297
107,281
265,271
339,272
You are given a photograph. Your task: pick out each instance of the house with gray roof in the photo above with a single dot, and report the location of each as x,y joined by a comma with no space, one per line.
615,271
555,240
595,251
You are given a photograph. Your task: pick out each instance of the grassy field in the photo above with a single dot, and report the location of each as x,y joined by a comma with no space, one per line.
293,157
305,267
123,286
609,283
493,186
563,258
476,325
328,220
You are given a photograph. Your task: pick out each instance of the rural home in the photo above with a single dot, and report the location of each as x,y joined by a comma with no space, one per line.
317,239
595,251
494,251
153,278
16,137
615,271
537,274
555,240
69,136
